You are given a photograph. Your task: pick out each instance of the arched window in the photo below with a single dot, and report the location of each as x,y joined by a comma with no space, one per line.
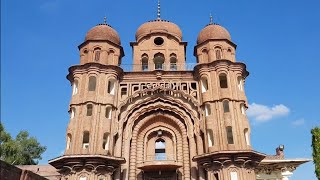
72,113
240,83
205,56
160,150
92,83
85,140
75,87
242,108
173,62
218,53
226,106
111,56
207,109
229,135
234,175
111,86
144,62
108,112
68,141
89,109
85,54
210,138
105,144
204,84
223,80
96,53
246,136
158,61
229,54
216,176
83,178
101,177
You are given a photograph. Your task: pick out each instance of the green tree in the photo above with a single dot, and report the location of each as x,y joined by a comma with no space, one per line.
23,150
316,149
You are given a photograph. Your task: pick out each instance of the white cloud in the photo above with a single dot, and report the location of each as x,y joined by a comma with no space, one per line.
298,122
263,113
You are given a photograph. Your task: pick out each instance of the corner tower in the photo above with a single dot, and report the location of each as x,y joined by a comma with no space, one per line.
89,152
229,152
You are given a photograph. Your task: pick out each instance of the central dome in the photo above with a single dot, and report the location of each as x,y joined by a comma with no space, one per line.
158,26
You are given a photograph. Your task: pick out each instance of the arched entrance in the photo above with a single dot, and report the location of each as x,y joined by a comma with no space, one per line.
169,120
159,145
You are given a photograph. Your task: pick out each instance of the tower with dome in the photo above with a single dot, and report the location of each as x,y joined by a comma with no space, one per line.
161,118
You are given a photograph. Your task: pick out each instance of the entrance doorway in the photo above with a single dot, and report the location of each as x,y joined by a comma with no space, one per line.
160,175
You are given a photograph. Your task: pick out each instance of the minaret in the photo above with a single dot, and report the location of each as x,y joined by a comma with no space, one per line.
229,152
89,147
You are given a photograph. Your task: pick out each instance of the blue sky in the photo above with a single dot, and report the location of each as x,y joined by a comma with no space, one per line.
278,40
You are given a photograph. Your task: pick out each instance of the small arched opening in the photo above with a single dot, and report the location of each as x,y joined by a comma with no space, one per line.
158,61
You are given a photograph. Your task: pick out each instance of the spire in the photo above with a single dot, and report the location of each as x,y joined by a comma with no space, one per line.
158,15
211,19
104,20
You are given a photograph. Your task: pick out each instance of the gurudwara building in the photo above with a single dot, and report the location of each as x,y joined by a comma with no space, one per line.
162,119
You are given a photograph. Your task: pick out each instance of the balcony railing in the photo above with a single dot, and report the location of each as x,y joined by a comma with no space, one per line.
161,157
164,67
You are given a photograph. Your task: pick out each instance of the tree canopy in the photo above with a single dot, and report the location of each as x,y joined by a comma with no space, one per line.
23,150
316,149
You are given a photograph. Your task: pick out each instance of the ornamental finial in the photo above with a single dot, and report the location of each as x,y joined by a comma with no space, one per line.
158,15
105,20
211,19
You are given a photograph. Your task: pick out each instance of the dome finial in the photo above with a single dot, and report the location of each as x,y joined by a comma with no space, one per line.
211,19
104,20
158,15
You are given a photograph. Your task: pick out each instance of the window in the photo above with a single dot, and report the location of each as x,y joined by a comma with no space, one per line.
240,83
105,144
108,112
144,62
158,41
173,62
204,84
242,108
210,138
96,53
234,175
85,140
68,141
158,61
205,57
123,92
111,57
89,109
102,177
216,176
207,109
226,106
160,150
72,113
75,87
83,178
111,86
229,135
246,136
218,54
92,83
223,80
